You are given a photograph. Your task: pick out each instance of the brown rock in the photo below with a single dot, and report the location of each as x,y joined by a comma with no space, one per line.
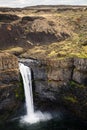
9,84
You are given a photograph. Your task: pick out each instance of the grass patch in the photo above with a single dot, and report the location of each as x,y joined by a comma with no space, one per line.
52,53
15,50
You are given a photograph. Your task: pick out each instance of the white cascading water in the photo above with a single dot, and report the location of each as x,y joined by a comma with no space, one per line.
26,75
31,116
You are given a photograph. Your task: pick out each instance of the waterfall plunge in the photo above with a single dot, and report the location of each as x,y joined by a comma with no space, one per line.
26,75
31,116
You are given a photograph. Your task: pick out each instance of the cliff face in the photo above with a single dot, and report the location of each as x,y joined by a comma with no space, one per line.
9,35
58,81
80,71
49,35
9,85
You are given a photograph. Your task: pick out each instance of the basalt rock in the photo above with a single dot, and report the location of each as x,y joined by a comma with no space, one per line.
9,85
80,71
49,75
9,35
8,17
55,81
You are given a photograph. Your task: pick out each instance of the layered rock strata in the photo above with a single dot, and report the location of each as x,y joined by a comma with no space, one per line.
9,85
62,81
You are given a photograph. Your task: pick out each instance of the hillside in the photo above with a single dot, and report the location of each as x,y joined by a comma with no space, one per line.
44,32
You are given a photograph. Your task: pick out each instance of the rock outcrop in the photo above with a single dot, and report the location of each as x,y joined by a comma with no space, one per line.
30,30
42,31
56,81
8,17
80,71
9,85
9,35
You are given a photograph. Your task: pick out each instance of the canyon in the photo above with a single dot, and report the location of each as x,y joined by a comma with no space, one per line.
52,41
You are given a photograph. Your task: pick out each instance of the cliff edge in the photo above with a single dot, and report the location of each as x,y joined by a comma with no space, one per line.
9,85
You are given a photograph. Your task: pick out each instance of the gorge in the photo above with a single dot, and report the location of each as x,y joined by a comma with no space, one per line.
52,42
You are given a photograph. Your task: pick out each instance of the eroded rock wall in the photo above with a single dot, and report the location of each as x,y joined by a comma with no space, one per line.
80,71
59,82
9,85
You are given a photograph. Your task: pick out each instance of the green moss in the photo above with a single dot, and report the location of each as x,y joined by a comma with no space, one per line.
16,95
19,92
49,80
72,83
71,99
76,85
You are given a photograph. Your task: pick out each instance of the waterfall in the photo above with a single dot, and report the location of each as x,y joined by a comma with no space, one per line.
26,75
31,116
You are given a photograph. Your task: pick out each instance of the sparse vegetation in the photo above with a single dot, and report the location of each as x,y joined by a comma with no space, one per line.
68,28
